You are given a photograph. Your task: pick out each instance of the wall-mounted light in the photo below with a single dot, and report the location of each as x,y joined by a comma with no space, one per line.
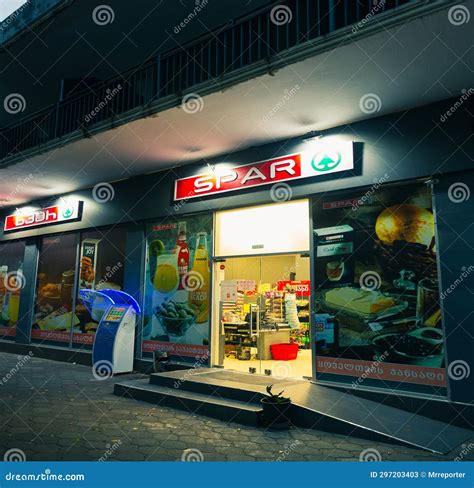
310,136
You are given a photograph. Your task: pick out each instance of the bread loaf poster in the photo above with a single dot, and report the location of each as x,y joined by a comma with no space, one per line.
177,290
377,297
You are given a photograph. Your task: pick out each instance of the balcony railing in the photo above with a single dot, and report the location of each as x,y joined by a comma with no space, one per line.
256,37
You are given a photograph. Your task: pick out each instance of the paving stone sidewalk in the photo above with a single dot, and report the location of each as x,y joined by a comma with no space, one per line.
55,411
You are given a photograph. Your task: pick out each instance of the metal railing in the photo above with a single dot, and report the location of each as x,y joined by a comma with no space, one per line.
256,37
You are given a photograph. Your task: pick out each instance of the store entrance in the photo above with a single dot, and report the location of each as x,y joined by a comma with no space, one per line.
263,315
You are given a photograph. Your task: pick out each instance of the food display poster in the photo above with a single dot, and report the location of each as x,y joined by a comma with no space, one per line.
177,290
54,317
376,286
12,281
101,267
59,316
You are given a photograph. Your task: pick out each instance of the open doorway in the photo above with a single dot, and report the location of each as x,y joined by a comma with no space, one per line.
264,315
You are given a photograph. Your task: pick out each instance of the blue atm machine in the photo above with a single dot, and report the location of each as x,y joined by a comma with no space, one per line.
117,313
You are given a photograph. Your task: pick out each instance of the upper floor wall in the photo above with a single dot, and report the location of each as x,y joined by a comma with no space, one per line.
142,55
48,41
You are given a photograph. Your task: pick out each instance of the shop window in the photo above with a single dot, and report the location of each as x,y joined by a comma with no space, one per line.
102,263
54,318
11,283
177,288
377,296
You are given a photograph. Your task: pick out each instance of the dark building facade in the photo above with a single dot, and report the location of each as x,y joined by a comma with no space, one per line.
350,239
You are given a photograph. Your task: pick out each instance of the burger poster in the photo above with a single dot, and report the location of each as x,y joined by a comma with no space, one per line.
377,287
177,291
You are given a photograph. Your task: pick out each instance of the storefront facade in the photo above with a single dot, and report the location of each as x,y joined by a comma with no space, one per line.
353,239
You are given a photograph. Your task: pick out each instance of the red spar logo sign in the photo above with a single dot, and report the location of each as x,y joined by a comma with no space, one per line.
325,158
240,177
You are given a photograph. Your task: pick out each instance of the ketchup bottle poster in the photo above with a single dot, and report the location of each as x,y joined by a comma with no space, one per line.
177,289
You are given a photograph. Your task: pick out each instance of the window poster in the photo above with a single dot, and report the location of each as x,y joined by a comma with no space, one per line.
12,281
377,298
101,267
54,317
177,290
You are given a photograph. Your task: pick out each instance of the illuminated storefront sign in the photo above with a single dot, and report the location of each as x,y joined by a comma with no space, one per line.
324,160
64,212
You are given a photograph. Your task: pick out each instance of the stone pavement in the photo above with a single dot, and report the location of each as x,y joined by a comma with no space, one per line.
54,411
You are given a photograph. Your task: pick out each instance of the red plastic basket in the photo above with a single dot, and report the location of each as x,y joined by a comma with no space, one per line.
284,352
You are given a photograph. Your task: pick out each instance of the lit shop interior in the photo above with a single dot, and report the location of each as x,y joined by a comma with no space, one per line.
262,297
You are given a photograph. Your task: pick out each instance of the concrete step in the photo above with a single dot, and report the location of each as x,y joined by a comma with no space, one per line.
192,402
215,382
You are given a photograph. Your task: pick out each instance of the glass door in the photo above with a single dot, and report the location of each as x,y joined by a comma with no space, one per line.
263,315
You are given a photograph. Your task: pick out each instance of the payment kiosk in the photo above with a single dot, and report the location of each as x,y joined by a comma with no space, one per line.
117,313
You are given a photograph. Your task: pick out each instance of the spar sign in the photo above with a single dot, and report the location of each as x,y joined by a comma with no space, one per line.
24,219
324,160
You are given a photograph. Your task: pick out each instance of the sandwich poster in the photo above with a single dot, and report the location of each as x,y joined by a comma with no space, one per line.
377,288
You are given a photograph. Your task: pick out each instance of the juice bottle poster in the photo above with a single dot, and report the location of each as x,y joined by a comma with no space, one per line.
177,287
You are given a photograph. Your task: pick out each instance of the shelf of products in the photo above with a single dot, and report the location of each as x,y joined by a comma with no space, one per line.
302,335
281,312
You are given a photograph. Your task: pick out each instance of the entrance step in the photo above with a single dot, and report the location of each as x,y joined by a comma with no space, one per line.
219,383
191,402
235,396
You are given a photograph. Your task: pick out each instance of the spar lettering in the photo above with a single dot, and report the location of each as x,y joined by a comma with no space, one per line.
240,177
208,183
